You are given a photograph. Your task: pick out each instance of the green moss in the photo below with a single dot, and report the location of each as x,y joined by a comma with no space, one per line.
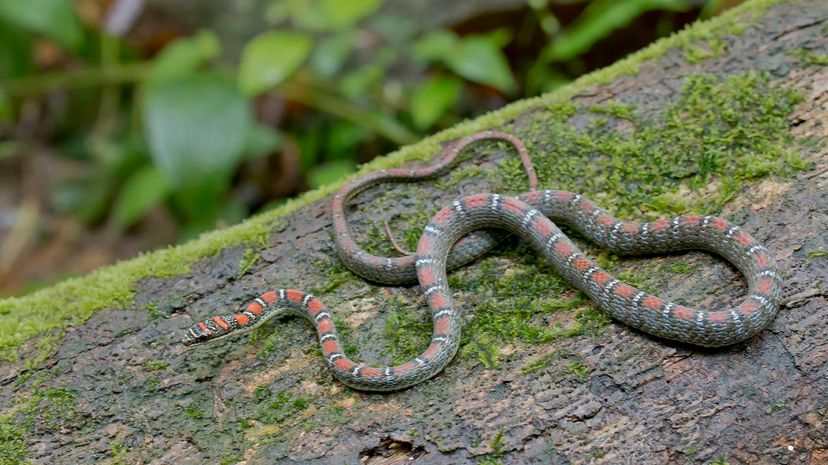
616,109
74,301
817,254
539,363
152,309
810,58
490,461
231,459
251,256
337,275
697,52
195,412
56,408
280,406
407,330
12,442
496,443
118,451
155,365
577,369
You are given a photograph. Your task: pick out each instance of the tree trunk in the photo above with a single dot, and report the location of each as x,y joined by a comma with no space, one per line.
728,117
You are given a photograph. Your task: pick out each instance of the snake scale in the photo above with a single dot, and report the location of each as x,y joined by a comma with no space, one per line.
456,235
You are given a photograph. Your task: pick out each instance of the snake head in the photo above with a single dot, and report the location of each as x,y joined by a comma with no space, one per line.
206,330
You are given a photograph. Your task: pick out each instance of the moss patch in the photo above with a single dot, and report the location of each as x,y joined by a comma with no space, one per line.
719,134
75,300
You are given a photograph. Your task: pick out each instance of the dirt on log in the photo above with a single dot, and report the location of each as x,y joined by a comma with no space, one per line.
542,377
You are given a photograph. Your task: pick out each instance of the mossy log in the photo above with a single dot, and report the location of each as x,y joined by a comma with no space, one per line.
728,117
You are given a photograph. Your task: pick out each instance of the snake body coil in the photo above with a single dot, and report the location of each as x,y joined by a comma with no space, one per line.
531,218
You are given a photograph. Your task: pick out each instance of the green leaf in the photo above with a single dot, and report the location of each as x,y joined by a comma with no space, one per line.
327,15
52,18
270,58
435,46
15,51
9,148
142,191
356,84
330,172
331,54
480,60
6,110
261,141
185,55
196,125
433,99
598,20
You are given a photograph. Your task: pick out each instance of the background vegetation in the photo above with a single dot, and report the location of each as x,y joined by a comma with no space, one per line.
152,138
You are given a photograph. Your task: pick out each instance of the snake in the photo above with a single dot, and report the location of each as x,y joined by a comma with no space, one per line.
533,217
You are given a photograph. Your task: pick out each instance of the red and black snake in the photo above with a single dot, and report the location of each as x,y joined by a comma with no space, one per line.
530,217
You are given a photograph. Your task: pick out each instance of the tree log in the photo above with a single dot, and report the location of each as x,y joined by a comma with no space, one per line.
727,117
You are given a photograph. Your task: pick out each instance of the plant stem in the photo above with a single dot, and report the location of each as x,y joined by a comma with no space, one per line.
76,79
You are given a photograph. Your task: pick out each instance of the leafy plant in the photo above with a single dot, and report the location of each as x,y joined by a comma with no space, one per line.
176,131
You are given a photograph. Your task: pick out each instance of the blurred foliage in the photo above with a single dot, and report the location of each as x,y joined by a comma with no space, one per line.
348,80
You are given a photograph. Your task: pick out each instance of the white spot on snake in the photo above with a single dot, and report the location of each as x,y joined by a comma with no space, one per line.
438,339
442,313
420,361
571,258
700,320
706,220
387,371
307,299
528,217
761,299
495,203
322,315
589,272
250,314
281,294
261,302
326,337
735,317
638,297
755,248
731,231
433,289
425,261
432,230
458,207
553,238
610,285
355,371
768,273
335,356
668,309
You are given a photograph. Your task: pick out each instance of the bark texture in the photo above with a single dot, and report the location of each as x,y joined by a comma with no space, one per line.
119,389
